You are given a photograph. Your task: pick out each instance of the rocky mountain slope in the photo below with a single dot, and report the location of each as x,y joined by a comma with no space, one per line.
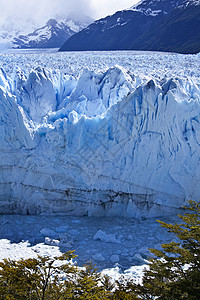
148,25
177,32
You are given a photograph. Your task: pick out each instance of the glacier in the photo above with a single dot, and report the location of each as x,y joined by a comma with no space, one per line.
103,143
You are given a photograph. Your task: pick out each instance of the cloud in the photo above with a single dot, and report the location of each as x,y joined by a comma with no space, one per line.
103,8
41,10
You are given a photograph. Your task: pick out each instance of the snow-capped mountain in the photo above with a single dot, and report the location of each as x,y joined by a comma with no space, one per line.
11,28
155,7
52,35
177,32
125,29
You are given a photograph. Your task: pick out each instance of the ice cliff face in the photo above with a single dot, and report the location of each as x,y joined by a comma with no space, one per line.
103,144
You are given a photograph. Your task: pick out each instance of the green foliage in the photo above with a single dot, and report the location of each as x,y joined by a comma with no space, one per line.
39,278
87,285
175,273
51,278
124,290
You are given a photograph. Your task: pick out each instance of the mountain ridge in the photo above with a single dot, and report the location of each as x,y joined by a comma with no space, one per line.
51,35
183,22
127,29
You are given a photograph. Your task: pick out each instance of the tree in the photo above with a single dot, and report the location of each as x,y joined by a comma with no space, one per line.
89,284
175,272
124,290
49,278
37,278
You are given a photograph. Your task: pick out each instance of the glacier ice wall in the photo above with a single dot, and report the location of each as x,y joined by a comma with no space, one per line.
102,144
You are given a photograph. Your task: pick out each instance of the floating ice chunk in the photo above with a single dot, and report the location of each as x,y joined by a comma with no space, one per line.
114,259
65,243
51,242
137,257
98,257
107,238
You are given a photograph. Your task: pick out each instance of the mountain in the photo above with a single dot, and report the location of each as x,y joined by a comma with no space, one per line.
12,27
145,26
52,35
155,7
110,33
177,32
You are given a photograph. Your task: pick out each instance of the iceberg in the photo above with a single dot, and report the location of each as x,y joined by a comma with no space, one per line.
104,143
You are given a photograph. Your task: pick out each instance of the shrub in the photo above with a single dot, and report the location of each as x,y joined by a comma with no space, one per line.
175,272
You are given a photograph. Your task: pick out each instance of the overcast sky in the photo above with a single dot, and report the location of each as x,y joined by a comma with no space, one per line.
41,10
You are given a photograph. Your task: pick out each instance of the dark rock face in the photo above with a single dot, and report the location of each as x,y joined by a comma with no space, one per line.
177,32
112,33
165,25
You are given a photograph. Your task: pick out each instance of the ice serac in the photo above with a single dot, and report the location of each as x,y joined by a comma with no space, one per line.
103,144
